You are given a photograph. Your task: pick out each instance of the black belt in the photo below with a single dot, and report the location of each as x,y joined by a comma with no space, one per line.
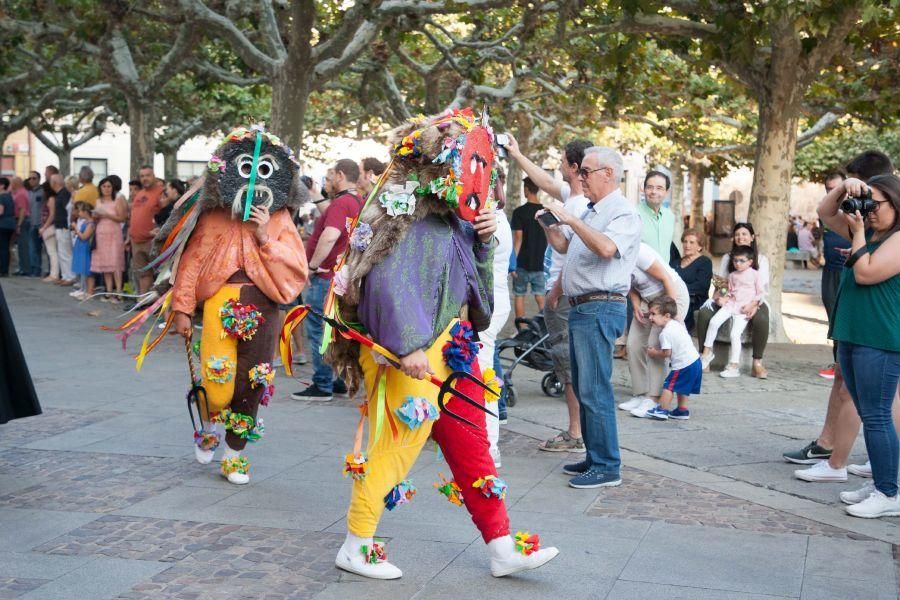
596,297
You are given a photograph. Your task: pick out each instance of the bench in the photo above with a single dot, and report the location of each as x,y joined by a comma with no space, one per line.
800,256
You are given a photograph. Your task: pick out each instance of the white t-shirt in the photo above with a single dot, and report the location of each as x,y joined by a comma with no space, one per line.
645,284
501,263
576,205
676,338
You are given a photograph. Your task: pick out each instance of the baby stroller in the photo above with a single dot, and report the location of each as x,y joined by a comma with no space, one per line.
530,347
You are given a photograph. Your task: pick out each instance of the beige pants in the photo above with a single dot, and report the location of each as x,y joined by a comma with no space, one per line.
648,374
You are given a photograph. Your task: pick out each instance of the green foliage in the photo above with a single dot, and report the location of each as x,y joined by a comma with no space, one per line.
831,151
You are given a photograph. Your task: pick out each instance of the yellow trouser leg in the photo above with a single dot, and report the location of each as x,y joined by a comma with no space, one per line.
212,344
390,460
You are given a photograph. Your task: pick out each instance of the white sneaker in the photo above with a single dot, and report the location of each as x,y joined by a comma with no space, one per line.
876,505
351,558
730,372
857,496
641,410
631,404
821,471
861,470
506,560
204,457
706,360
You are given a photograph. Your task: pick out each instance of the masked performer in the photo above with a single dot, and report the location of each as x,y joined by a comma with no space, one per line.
417,280
233,248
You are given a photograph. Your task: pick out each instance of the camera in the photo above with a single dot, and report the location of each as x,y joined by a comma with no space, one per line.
864,204
502,140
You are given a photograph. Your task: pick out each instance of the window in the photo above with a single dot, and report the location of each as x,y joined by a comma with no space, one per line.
97,165
190,168
7,165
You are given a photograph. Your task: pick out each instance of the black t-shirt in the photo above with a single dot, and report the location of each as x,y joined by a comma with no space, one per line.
60,217
534,241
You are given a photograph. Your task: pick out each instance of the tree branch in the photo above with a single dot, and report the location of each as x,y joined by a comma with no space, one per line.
330,67
181,49
205,67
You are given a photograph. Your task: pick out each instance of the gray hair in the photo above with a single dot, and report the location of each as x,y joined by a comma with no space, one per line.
609,158
86,173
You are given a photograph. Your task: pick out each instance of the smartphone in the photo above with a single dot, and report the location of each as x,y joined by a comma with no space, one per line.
548,219
502,139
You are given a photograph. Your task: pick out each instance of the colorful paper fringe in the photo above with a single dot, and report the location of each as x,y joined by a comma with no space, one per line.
375,553
240,321
493,382
355,466
207,440
451,490
261,374
219,369
460,350
238,464
527,543
216,164
267,395
243,425
361,237
414,411
491,486
402,493
399,199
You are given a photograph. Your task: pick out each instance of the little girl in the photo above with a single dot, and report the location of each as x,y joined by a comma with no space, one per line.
81,252
744,286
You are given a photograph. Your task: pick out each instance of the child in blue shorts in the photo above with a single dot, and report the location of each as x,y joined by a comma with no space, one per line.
687,369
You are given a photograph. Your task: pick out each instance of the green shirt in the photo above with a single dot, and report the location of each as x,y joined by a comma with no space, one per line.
868,315
658,229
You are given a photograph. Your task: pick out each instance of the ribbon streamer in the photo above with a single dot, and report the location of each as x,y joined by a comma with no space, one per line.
253,171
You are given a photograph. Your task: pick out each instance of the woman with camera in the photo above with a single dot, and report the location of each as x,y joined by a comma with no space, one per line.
866,325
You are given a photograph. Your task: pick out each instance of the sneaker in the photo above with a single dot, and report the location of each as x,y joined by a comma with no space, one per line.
632,404
578,468
706,360
857,496
339,388
641,409
658,413
809,455
827,372
876,505
503,417
562,443
730,372
861,470
821,471
301,359
313,393
681,414
593,478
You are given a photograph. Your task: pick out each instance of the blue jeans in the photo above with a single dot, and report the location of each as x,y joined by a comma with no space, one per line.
24,248
593,329
37,258
871,376
315,294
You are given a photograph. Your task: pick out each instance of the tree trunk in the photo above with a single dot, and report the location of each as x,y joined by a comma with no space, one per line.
677,201
64,156
291,88
170,163
142,124
695,179
771,191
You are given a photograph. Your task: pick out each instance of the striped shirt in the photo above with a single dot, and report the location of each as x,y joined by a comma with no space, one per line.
585,272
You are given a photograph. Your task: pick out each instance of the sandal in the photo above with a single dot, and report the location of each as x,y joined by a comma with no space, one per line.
562,443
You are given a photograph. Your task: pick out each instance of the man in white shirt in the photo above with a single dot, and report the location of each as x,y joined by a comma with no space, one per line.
568,190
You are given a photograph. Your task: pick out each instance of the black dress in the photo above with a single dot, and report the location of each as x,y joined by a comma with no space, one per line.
697,276
17,396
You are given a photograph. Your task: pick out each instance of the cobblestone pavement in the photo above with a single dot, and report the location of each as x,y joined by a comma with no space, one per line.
100,496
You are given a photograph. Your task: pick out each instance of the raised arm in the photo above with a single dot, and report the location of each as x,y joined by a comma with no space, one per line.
539,176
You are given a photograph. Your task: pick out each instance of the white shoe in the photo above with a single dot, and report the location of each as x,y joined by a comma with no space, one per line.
641,409
861,470
506,560
706,360
351,558
857,496
821,471
238,478
876,505
204,457
495,454
730,372
631,404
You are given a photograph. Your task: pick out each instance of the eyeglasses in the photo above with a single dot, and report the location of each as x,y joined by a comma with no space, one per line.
583,173
33,177
740,261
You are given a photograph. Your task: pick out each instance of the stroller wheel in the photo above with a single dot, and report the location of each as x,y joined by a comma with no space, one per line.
551,385
511,396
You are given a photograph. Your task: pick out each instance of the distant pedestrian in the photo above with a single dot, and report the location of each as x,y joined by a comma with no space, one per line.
23,225
36,206
7,225
108,256
87,191
62,229
530,243
81,252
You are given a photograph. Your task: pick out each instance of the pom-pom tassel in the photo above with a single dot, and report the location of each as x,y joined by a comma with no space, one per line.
355,465
451,490
527,543
375,553
415,411
402,493
491,486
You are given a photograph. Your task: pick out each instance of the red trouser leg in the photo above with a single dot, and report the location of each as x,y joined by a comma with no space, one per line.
467,452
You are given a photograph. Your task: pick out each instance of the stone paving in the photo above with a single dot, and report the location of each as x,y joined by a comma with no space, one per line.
100,496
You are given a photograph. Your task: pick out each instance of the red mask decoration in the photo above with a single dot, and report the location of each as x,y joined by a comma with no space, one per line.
477,161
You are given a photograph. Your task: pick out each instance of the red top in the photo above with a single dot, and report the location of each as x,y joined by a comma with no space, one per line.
144,207
345,206
20,199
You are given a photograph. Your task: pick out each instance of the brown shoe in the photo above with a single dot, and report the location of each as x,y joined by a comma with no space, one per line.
759,371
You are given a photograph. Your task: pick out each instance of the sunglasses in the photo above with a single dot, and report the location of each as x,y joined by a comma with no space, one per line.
583,173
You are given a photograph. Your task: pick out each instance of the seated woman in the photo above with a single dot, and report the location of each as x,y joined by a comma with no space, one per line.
651,279
757,312
695,269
